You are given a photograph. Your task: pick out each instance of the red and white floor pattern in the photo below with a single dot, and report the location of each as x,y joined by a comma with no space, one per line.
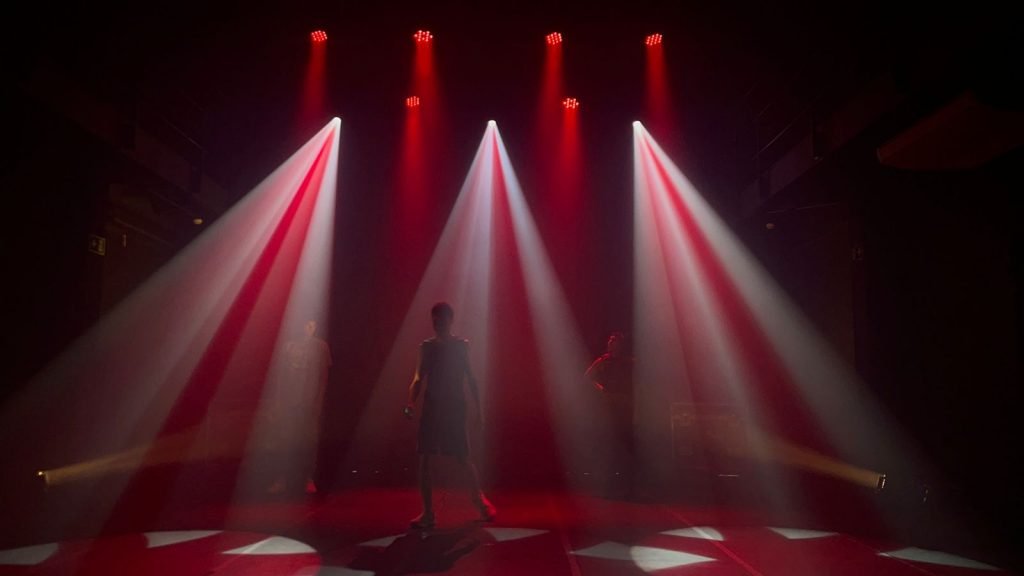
360,533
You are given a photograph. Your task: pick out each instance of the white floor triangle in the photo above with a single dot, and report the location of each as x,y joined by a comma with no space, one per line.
797,534
702,532
381,542
933,557
651,559
275,545
646,558
505,534
158,539
27,556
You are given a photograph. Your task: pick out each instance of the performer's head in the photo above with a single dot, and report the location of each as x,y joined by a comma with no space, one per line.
310,328
616,343
442,315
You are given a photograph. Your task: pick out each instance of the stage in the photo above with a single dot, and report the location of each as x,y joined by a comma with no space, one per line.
362,530
765,259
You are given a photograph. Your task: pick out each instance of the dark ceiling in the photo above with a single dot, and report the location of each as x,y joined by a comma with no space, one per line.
741,72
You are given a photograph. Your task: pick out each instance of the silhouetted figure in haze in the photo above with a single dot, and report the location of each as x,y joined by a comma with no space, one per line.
612,374
443,370
298,418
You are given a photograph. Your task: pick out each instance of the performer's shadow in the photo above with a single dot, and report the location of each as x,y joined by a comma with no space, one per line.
422,551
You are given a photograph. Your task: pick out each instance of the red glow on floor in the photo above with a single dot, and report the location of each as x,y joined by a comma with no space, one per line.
422,37
538,532
318,36
553,39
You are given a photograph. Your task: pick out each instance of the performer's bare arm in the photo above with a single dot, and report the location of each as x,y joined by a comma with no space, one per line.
596,372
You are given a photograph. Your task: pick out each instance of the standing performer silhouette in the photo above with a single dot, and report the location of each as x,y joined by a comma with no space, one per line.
612,374
443,368
298,410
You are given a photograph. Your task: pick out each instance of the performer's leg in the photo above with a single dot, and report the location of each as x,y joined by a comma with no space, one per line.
426,519
487,510
281,450
312,458
624,462
426,488
472,476
633,471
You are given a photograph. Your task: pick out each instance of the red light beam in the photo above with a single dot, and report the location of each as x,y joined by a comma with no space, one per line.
151,352
710,316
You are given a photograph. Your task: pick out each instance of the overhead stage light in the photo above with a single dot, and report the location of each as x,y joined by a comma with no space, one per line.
318,36
554,39
422,37
412,101
653,40
570,104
